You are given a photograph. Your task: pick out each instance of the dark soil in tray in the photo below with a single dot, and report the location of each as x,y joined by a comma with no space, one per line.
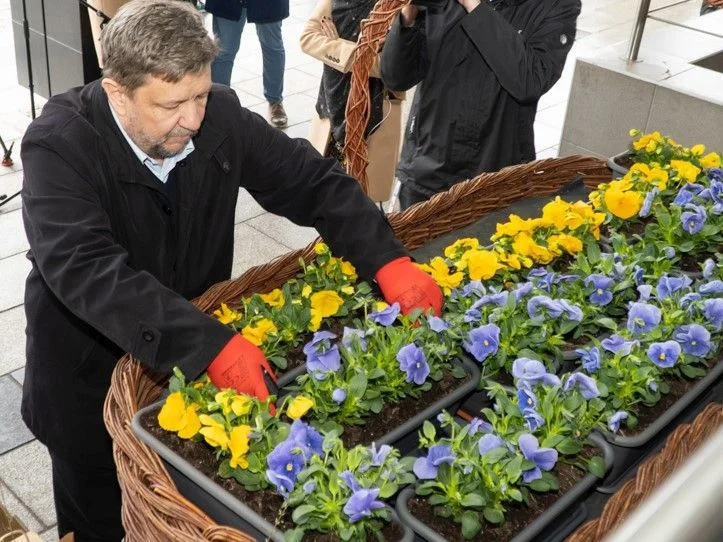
266,503
626,161
518,515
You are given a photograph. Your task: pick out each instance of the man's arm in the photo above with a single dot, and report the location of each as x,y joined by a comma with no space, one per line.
525,67
404,60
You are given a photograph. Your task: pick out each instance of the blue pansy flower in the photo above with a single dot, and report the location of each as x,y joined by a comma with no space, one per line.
351,335
712,287
590,358
638,275
664,354
348,478
669,252
309,487
713,312
533,418
616,419
489,442
306,438
482,341
544,458
526,398
361,504
686,193
573,312
386,316
412,361
473,287
284,464
586,385
668,285
602,286
693,219
709,267
436,324
380,455
643,317
321,356
689,298
522,290
645,291
694,339
426,468
617,345
529,372
648,202
338,395
653,385
536,304
715,174
476,425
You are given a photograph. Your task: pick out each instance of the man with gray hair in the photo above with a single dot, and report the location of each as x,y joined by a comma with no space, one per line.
130,191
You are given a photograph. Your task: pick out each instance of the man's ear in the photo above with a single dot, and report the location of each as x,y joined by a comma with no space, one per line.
117,95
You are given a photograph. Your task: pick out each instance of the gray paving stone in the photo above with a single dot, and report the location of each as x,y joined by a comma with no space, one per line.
246,207
13,272
19,376
13,505
283,231
51,535
36,490
11,180
251,247
12,240
12,340
13,432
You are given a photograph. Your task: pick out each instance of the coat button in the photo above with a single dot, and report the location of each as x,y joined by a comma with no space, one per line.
148,336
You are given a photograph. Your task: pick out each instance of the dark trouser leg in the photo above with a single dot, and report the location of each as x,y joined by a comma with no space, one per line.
87,500
410,193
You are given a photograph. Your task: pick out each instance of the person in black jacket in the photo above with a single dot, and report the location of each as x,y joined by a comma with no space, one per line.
481,67
129,194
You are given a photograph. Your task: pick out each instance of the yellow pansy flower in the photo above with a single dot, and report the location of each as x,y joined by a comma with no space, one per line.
712,159
348,290
697,150
595,198
480,264
315,321
512,227
226,315
306,291
466,243
321,248
570,243
642,170
623,204
214,433
274,298
348,270
381,305
326,303
299,406
686,170
177,417
241,404
441,275
555,212
511,260
258,332
626,183
239,446
659,178
647,138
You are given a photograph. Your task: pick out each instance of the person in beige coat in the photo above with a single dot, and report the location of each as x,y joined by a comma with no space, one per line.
330,36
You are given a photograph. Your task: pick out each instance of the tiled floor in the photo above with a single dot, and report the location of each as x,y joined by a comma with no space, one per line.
24,465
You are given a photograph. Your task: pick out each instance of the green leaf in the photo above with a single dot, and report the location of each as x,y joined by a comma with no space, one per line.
596,466
569,446
493,515
279,361
592,250
540,485
294,535
473,500
692,372
436,500
607,323
515,494
358,385
458,372
471,524
429,431
388,490
301,511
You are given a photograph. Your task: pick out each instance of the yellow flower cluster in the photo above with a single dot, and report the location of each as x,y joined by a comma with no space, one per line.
684,164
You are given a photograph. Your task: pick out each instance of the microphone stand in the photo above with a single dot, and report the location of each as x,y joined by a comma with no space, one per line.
103,17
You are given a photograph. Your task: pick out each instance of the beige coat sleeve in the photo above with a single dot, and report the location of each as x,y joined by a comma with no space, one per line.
335,52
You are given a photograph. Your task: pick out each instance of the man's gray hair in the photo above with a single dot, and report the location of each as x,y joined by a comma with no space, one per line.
162,38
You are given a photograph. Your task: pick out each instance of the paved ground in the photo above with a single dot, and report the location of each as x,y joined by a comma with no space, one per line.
25,486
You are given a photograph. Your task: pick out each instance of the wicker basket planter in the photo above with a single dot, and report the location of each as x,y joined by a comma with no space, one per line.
557,522
153,508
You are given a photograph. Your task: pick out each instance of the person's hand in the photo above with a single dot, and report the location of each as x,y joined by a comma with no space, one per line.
409,14
240,365
715,3
328,28
469,5
404,283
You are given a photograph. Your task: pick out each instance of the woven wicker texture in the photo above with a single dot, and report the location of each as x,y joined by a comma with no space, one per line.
679,446
373,30
152,507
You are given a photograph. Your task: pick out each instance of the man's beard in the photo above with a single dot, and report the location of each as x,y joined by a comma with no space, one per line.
159,151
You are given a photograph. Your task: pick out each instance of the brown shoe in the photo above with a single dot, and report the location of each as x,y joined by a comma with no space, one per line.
277,115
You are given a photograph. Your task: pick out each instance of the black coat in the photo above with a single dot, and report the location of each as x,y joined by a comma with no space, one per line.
257,11
480,77
113,264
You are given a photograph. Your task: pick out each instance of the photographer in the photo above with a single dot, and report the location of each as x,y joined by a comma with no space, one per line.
481,67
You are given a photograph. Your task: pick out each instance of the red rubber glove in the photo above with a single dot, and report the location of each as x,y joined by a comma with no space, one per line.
240,365
404,283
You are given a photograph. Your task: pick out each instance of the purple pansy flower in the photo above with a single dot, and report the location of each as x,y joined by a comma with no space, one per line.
489,442
617,345
573,312
533,418
361,504
694,339
645,291
482,341
544,458
689,298
386,316
321,356
712,287
616,419
522,290
285,462
590,358
426,468
638,275
602,285
526,398
709,267
412,361
351,335
477,424
693,219
643,317
338,395
536,304
713,312
648,202
380,455
686,193
664,354
668,285
306,438
348,478
586,385
436,324
529,372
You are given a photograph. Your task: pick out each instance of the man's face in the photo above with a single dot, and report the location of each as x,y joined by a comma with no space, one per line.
161,117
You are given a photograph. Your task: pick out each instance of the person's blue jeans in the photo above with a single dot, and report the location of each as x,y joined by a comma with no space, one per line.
272,49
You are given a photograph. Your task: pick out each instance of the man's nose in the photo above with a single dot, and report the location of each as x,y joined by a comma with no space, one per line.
192,116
